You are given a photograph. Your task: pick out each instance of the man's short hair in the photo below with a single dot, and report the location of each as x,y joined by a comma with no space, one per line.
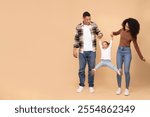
86,14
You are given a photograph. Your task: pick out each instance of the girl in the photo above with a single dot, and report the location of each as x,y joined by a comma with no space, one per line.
106,56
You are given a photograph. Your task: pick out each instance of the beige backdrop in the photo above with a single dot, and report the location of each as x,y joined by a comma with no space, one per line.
36,38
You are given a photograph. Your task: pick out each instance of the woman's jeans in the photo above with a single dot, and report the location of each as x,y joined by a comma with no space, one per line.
87,57
124,56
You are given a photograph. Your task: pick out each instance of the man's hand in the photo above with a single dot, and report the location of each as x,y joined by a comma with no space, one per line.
75,53
100,35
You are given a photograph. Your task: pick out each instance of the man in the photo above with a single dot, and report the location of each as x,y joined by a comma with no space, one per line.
85,40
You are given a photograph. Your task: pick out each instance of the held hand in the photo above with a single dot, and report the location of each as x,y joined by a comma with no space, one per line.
100,35
112,35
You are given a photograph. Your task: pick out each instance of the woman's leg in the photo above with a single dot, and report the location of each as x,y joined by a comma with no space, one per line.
120,60
127,61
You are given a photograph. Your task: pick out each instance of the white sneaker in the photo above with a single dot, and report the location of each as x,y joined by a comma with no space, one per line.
91,89
118,92
80,89
126,93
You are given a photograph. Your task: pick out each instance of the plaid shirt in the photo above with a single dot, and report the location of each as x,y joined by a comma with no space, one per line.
79,36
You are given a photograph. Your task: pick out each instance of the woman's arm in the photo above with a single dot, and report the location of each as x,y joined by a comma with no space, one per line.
117,32
138,49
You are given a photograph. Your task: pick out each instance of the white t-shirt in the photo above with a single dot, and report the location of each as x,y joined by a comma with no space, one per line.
87,38
105,53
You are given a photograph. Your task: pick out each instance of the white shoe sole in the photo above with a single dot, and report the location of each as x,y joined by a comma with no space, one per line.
79,90
91,90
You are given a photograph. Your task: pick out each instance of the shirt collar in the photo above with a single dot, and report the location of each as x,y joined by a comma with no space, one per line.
82,24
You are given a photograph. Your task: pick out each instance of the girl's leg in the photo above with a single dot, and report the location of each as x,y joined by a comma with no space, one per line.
100,64
113,67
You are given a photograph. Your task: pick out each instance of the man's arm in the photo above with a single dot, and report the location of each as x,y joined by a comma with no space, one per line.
75,53
100,35
76,44
98,32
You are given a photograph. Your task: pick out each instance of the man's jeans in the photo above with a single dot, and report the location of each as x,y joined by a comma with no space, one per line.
89,58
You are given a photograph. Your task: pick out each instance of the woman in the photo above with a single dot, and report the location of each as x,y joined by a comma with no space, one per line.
128,33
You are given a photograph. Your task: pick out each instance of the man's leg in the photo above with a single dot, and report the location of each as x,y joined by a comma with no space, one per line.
82,65
91,65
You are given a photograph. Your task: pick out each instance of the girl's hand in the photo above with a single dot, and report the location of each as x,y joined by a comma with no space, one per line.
112,35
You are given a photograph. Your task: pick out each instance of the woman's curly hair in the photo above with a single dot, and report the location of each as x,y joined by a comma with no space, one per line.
134,26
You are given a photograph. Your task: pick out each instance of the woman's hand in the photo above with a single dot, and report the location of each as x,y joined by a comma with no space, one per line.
143,59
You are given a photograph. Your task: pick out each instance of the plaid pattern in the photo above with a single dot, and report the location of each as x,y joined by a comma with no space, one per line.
79,36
